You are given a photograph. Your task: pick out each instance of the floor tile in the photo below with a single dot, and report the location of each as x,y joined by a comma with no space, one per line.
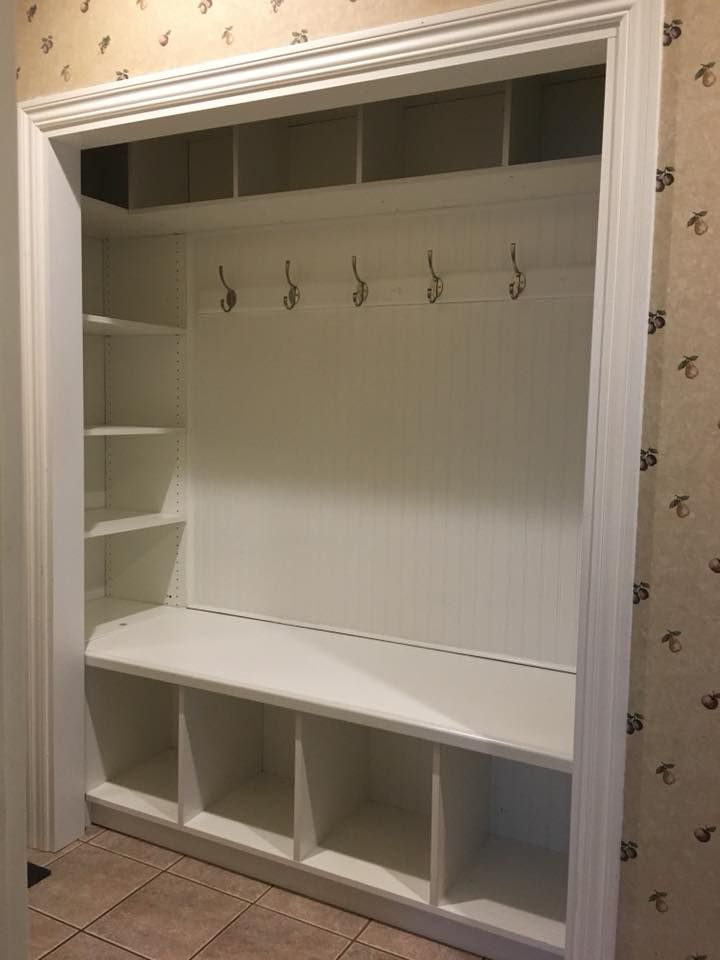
44,934
87,882
169,919
224,880
408,946
43,857
261,935
83,947
359,951
311,911
136,849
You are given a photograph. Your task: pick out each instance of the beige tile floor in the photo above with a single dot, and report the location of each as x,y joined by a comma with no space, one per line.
112,897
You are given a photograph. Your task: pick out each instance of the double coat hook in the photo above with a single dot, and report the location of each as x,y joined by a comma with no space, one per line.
360,294
293,295
230,299
517,284
435,290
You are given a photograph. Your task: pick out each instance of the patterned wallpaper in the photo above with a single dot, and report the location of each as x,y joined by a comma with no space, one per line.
671,847
670,906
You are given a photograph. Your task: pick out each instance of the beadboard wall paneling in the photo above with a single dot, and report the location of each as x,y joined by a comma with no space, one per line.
379,483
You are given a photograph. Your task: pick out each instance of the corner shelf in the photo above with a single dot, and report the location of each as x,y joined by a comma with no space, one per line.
107,614
111,431
115,327
104,522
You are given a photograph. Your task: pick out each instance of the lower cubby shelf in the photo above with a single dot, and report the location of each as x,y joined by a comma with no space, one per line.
478,838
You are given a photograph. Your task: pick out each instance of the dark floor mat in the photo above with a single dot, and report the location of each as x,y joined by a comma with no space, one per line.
35,874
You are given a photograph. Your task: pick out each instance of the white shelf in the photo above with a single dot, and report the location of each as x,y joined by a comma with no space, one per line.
106,614
258,815
111,431
501,708
493,185
514,888
381,847
114,327
104,522
149,789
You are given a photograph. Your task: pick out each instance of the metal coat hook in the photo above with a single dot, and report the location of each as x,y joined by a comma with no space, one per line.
517,284
360,293
434,291
228,301
293,294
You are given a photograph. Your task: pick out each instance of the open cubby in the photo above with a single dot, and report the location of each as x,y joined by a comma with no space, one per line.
132,744
501,844
365,802
238,763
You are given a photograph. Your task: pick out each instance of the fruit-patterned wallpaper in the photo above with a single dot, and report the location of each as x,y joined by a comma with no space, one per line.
670,906
671,848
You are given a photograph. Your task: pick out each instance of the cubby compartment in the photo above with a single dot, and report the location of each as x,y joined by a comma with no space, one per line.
297,153
557,115
131,744
238,761
500,844
438,133
364,806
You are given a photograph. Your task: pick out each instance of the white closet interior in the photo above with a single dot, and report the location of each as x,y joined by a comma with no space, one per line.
332,552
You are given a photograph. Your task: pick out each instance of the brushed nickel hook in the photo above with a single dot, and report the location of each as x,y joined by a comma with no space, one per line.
229,301
360,293
293,294
517,284
435,290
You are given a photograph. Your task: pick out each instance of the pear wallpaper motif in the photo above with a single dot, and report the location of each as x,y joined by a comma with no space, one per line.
670,853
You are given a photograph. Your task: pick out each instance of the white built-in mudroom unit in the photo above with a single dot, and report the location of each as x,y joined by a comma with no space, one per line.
342,448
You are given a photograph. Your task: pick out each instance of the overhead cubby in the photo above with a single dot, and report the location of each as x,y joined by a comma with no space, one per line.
132,744
238,771
365,802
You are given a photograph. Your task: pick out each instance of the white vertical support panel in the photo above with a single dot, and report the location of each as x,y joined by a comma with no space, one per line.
52,370
13,625
461,814
221,745
331,771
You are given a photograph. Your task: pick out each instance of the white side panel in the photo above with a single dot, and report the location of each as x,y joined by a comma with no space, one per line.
530,804
92,275
143,280
147,565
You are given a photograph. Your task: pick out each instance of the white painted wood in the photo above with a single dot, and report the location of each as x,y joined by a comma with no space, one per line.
131,742
237,781
388,685
107,614
112,431
517,889
365,800
530,804
405,506
106,521
147,565
93,284
469,188
14,638
143,281
550,35
114,327
462,814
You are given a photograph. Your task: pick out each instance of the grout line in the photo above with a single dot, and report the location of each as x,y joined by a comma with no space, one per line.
220,932
310,923
122,900
364,928
207,886
127,856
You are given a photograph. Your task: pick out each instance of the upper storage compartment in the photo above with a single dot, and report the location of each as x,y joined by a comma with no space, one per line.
549,117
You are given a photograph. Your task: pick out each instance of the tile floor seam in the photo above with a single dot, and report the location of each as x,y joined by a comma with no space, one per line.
207,886
94,936
367,923
58,945
51,916
127,856
220,932
310,923
122,900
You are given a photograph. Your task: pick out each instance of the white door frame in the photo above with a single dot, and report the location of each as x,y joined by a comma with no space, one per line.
13,636
470,46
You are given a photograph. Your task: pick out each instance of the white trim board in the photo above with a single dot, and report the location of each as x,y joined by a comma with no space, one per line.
493,42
